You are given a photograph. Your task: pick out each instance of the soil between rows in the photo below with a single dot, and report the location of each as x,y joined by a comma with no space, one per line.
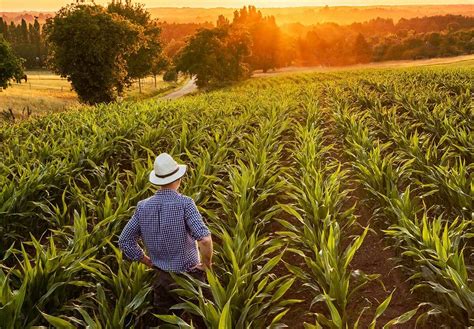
373,257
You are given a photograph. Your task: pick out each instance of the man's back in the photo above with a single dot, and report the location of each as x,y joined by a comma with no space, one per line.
169,225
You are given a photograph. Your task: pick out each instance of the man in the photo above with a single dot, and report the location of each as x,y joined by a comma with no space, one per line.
169,225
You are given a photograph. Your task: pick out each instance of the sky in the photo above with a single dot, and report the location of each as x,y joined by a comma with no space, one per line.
53,5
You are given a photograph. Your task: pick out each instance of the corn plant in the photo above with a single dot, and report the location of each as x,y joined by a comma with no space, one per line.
262,154
129,284
249,298
50,279
437,247
11,302
415,238
320,197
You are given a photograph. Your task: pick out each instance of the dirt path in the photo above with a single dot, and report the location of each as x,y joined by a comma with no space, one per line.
187,89
388,64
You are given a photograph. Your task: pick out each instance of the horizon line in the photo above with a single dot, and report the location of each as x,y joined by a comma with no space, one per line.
269,7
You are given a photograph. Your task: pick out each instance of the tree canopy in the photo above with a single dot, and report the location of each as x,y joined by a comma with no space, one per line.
101,50
89,46
216,56
267,51
10,65
147,59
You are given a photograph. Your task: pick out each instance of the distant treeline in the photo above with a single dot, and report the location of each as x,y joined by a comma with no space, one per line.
27,41
381,40
331,44
174,35
309,15
273,46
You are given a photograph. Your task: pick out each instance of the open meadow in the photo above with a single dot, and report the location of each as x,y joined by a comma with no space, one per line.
46,92
337,199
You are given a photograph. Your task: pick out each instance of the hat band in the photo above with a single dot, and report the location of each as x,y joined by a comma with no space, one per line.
168,175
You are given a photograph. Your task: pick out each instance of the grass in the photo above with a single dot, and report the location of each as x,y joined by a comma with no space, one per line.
466,63
43,93
46,93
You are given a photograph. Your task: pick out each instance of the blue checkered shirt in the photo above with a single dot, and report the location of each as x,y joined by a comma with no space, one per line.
169,224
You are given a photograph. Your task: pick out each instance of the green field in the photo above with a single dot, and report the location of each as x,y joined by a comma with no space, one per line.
465,64
46,92
338,199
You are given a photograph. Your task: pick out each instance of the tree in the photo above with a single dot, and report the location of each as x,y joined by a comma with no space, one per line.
362,51
26,41
89,46
222,21
3,28
216,56
316,49
162,63
37,42
10,65
146,60
24,32
170,75
267,40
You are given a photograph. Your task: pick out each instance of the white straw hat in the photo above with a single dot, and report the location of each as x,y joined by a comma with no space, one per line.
166,170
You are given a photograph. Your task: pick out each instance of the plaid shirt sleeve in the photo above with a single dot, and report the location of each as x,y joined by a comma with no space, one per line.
194,222
128,240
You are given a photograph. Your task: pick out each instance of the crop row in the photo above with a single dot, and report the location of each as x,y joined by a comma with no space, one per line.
264,155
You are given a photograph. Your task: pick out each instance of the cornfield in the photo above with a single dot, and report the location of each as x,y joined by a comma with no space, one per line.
296,175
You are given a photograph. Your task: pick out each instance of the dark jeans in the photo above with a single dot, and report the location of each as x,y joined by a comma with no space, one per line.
164,298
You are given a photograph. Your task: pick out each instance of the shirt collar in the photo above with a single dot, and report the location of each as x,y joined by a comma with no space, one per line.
167,191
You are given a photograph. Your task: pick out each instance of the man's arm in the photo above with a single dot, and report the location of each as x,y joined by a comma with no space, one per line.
128,240
206,250
200,233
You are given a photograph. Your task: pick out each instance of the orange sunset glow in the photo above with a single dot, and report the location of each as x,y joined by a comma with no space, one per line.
51,5
234,164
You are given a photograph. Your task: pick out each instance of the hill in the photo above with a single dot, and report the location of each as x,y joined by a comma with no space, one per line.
303,15
314,15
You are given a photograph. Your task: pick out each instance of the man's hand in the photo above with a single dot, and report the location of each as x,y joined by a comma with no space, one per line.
146,260
205,249
202,267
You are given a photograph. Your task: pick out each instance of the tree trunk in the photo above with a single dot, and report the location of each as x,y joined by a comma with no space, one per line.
139,85
154,76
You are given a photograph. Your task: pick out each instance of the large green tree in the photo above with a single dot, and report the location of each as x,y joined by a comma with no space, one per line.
147,59
268,49
90,46
10,65
216,56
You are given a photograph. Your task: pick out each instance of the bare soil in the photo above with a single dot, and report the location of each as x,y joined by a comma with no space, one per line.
375,257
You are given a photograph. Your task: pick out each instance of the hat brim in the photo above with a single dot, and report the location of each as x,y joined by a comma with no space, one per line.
167,180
